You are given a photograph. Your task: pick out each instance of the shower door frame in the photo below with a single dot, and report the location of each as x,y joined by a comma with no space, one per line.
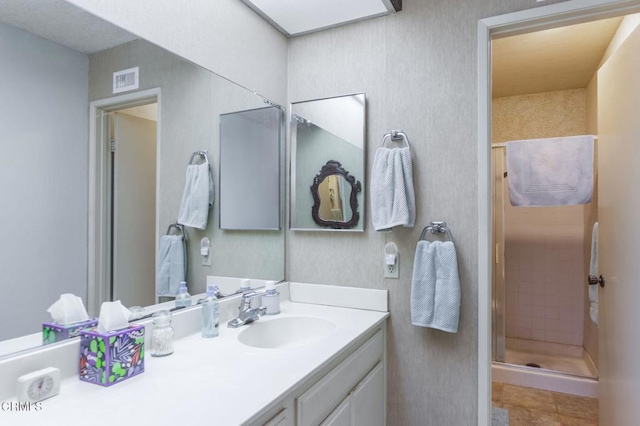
522,22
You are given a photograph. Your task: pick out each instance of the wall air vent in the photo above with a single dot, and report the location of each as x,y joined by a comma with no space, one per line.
126,80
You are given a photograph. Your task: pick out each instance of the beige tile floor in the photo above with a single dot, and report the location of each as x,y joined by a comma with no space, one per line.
535,407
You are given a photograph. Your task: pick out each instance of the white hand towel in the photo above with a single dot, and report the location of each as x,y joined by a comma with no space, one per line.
435,287
550,172
170,265
197,197
393,200
593,270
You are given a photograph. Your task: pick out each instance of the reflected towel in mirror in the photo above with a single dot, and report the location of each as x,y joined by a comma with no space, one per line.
197,197
170,267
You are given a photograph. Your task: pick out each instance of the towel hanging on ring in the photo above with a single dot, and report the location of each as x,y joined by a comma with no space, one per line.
393,201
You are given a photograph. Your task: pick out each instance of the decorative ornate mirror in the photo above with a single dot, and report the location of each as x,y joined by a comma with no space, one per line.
331,188
327,135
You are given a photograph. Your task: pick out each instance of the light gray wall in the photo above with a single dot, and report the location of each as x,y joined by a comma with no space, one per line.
419,71
43,178
192,100
224,36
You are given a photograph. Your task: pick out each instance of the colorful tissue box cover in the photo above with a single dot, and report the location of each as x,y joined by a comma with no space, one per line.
107,359
53,332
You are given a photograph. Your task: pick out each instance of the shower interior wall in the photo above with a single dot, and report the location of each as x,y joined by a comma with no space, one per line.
544,247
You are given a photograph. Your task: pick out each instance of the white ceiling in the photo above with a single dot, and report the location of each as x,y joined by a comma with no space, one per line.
63,23
545,61
297,17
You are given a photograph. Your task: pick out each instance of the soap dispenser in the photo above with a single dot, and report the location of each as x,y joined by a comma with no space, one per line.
210,313
271,298
183,299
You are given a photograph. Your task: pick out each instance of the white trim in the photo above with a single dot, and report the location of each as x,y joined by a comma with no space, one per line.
536,19
96,240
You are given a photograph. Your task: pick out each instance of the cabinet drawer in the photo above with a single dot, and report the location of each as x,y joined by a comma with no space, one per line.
316,403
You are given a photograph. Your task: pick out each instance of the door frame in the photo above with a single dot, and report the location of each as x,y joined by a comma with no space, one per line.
526,21
98,218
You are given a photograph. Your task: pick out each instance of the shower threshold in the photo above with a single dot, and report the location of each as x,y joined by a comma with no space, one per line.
560,358
563,368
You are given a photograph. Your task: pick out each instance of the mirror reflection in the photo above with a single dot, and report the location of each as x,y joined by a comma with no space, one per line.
335,197
327,139
250,150
332,205
94,168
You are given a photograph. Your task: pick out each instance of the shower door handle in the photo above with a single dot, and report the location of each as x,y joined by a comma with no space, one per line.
593,280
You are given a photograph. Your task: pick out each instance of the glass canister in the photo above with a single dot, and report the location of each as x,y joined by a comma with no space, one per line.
162,335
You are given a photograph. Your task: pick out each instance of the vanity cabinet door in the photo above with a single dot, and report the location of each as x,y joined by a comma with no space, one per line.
321,399
368,406
341,416
365,405
280,419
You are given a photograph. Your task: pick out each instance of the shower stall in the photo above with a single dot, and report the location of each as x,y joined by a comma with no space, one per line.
539,286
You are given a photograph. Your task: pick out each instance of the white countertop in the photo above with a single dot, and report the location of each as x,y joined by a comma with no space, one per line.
218,381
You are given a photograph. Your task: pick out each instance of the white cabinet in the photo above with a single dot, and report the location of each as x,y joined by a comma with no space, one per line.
359,380
352,393
279,419
365,405
368,400
341,416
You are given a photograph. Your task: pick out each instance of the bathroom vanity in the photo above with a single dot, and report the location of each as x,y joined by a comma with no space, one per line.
320,362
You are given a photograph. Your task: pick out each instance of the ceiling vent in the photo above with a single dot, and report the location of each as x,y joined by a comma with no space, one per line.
126,80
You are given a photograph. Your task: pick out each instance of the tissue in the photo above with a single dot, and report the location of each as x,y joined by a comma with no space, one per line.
113,316
68,309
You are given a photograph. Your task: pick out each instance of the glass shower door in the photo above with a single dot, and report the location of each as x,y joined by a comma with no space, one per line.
498,285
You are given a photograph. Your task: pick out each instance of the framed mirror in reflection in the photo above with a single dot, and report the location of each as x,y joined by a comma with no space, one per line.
327,164
335,197
92,228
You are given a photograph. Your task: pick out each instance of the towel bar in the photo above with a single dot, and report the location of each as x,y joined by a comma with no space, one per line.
202,154
396,135
179,227
436,227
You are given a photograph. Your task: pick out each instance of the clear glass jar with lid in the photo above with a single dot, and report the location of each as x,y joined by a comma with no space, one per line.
162,334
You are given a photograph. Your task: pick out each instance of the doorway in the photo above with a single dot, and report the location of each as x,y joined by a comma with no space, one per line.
614,409
132,204
124,173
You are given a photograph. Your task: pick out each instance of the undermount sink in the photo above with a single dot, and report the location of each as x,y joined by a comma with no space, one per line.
287,332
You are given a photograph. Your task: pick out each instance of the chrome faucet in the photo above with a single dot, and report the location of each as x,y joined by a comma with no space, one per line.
247,314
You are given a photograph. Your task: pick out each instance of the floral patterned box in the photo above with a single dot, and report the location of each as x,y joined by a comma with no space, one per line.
53,332
107,359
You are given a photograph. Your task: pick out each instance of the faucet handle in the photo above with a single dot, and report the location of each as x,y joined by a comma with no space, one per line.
245,300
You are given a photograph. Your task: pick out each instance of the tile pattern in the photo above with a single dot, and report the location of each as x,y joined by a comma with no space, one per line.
535,407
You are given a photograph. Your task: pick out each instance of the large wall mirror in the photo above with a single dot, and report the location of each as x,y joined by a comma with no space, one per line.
93,170
327,164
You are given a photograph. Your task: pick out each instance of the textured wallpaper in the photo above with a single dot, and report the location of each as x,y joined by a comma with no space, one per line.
540,115
418,69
